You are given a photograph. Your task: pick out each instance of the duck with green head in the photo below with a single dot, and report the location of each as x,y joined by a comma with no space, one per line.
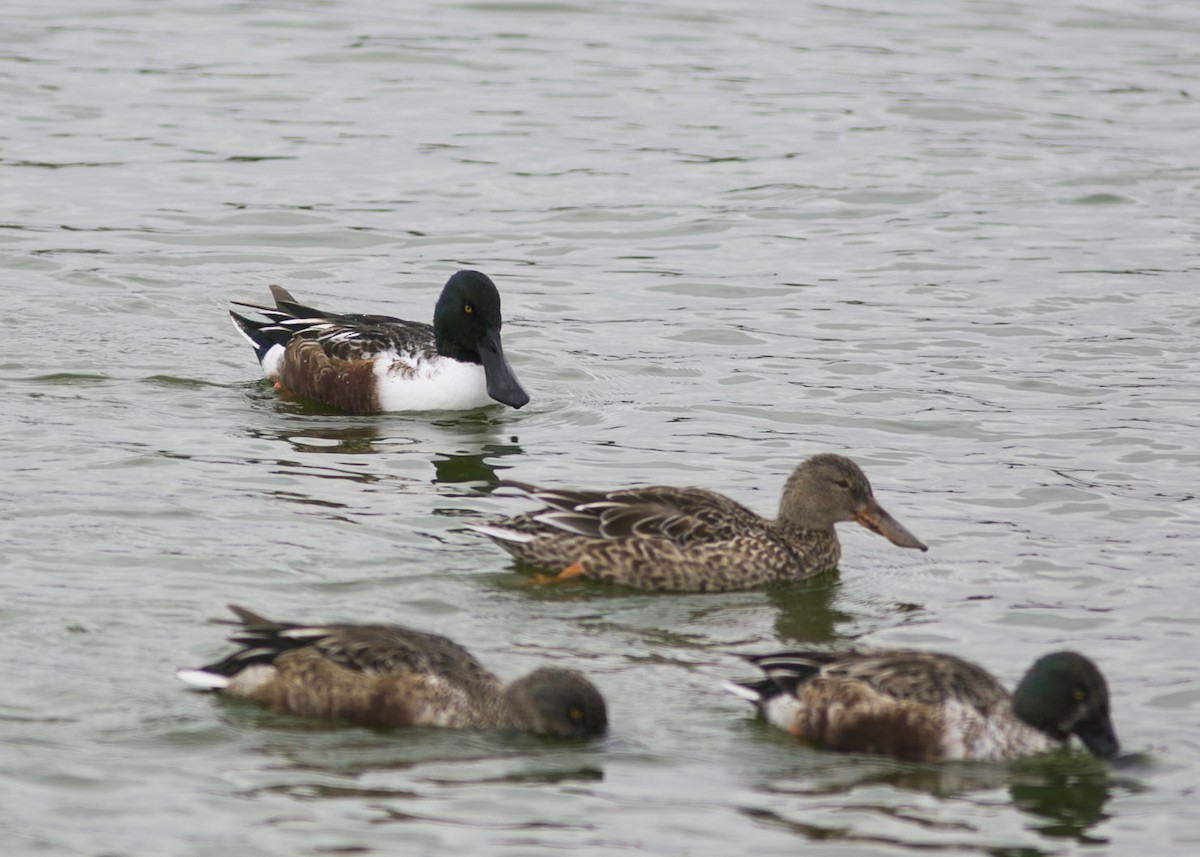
376,363
925,706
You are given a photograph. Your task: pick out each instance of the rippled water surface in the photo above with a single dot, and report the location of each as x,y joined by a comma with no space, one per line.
956,241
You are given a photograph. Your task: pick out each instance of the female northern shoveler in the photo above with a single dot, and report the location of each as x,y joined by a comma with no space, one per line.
367,364
692,540
928,707
382,676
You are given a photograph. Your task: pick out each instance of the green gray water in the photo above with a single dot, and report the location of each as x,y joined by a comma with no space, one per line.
957,241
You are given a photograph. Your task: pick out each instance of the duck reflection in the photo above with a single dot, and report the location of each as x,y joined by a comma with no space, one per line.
317,761
452,468
1070,798
338,440
806,609
1065,791
315,428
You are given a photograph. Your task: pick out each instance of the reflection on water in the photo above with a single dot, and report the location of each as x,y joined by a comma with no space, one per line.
848,833
370,438
323,791
326,440
531,583
398,775
1066,791
1067,795
486,420
806,611
305,747
451,468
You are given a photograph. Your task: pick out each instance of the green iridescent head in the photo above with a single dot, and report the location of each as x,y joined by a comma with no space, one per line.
1064,694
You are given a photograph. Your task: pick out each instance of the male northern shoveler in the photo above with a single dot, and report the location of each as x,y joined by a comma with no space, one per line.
382,676
928,707
692,540
368,364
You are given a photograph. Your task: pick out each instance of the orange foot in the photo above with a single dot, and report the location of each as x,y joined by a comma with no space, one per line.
572,570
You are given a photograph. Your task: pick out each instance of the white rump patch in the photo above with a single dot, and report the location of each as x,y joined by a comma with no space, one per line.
271,361
202,679
746,693
781,710
250,679
502,534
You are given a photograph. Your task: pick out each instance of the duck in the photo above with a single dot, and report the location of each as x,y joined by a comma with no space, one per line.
924,706
368,364
385,676
691,539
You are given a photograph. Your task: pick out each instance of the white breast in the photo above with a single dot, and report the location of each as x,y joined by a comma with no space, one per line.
968,735
436,385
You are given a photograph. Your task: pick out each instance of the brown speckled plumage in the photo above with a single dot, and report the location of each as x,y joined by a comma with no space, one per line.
384,676
927,706
694,540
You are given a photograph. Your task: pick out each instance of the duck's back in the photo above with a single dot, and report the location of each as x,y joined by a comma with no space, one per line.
379,337
925,677
682,515
394,649
371,675
913,705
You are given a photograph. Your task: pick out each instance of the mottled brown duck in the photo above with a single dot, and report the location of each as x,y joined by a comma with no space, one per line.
694,540
382,676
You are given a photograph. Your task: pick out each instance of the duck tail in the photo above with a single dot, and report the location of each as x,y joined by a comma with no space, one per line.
785,672
287,306
201,679
261,641
262,335
754,692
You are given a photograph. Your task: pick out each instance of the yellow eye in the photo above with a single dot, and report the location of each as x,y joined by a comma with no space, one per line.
1078,694
468,309
575,714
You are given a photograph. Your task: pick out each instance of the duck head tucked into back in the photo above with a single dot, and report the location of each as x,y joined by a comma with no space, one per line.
383,676
559,702
930,706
